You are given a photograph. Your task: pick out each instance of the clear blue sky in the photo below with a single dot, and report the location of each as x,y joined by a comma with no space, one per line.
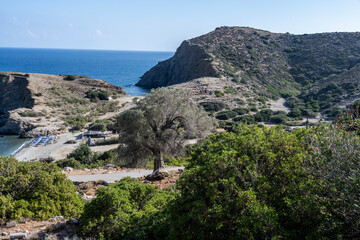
160,25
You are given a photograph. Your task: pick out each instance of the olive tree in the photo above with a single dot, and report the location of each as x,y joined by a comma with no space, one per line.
158,125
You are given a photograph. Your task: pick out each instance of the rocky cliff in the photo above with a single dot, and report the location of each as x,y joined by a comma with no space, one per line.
267,64
33,104
189,62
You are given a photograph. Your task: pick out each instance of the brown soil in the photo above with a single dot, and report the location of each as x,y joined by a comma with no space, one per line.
166,182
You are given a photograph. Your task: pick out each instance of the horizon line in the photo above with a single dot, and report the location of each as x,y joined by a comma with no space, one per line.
120,50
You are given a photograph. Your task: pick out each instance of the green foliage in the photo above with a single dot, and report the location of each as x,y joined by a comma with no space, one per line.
119,209
247,119
350,120
225,115
213,106
70,77
67,97
96,95
77,122
107,141
230,90
295,113
279,117
36,190
158,126
239,101
30,113
177,161
263,115
247,185
253,109
219,93
241,111
83,157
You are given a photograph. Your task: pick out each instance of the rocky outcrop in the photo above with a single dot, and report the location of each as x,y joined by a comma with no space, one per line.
189,62
14,92
34,104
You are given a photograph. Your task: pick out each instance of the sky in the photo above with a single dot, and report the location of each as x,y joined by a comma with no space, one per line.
160,25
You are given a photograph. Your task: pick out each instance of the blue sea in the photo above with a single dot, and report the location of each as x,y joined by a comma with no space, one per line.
121,68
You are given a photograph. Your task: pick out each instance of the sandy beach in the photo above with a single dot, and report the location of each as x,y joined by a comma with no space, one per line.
57,150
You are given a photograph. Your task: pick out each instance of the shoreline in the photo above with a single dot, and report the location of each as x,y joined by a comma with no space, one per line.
22,146
58,149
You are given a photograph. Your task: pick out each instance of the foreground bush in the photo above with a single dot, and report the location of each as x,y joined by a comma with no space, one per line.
255,183
120,208
248,185
36,190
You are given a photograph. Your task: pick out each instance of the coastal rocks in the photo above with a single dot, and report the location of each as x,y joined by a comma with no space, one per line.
16,126
15,92
189,62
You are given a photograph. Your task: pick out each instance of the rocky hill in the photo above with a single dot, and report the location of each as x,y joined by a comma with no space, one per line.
269,65
33,104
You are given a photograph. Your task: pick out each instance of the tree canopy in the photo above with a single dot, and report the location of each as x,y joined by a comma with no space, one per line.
158,125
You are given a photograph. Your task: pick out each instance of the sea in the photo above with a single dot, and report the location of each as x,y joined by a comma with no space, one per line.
120,68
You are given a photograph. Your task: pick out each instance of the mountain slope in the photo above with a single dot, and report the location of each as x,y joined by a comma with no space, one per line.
268,64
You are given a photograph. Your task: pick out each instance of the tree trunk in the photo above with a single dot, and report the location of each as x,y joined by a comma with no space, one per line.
158,162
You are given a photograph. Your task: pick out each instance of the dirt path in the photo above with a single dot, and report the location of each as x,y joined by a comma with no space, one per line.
112,177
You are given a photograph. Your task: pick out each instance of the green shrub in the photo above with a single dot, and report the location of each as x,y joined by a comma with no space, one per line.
177,161
30,113
83,154
247,185
96,95
247,119
107,141
230,90
83,157
219,93
119,208
36,190
70,77
295,113
239,101
278,119
225,115
241,111
253,109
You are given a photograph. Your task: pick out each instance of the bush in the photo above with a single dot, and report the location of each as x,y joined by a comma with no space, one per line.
83,154
121,207
279,117
97,95
247,119
225,115
241,111
213,106
107,141
83,157
239,101
219,93
70,77
247,185
36,190
30,113
230,90
295,113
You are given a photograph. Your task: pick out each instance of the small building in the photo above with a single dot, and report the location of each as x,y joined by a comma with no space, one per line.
96,134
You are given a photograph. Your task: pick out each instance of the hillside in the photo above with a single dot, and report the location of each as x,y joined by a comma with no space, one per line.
270,65
33,104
